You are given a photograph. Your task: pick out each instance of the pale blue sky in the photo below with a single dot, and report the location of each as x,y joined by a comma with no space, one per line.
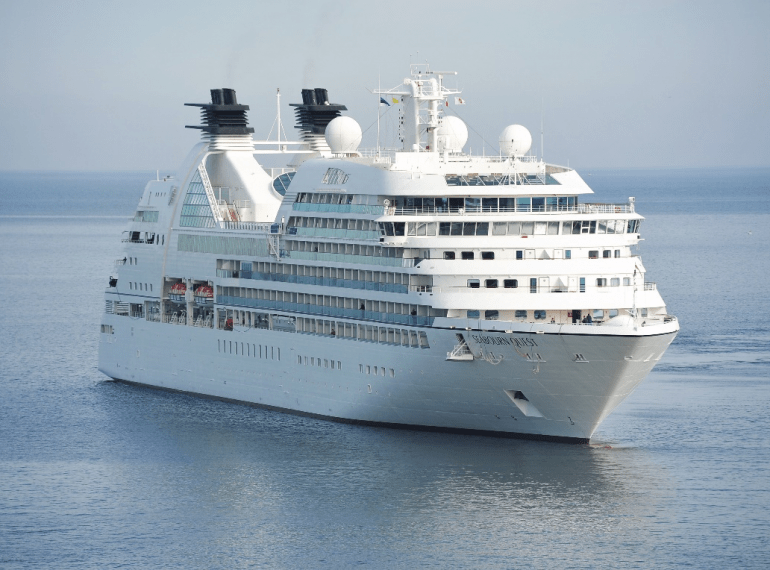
100,85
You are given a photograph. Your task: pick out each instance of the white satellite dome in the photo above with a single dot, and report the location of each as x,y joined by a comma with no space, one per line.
515,140
343,135
451,135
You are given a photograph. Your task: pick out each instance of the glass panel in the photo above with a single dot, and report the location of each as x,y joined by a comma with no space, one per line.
602,227
398,228
540,228
551,204
482,228
412,229
473,204
523,204
553,228
469,228
457,228
514,228
456,203
539,315
499,228
489,204
421,228
473,314
538,204
443,228
521,314
507,205
430,229
527,228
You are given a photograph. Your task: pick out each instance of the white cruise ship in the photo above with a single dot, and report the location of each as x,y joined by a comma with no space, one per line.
422,287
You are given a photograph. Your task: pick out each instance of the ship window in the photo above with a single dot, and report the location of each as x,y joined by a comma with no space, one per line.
606,254
514,228
602,227
467,255
392,373
601,282
444,228
449,255
626,281
398,228
490,283
482,228
489,204
527,228
598,314
553,228
519,254
615,282
473,283
510,283
473,314
456,228
523,204
538,204
533,285
539,315
567,254
361,368
541,228
368,369
613,313
499,228
326,363
520,314
617,253
593,254
469,228
487,255
507,204
491,315
473,204
644,312
582,284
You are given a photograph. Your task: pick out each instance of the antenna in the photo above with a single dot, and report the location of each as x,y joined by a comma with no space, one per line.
278,108
542,156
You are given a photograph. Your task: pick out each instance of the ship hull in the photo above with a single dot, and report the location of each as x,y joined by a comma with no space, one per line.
555,385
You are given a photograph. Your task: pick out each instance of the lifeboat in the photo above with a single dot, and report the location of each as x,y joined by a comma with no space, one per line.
204,295
177,293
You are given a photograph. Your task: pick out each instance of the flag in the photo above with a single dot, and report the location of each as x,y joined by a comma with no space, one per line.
459,101
395,101
384,102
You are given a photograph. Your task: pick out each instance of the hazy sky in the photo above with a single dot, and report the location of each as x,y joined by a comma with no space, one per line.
100,85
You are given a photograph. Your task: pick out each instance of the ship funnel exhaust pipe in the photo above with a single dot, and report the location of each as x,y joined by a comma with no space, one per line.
216,97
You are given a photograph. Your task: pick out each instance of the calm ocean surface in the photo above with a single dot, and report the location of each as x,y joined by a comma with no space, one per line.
95,474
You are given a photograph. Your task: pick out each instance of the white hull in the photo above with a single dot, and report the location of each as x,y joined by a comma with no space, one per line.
565,399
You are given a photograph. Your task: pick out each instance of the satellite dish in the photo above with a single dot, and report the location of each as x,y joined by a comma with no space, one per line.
451,135
343,135
515,140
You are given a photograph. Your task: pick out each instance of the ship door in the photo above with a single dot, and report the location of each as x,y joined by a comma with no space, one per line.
529,254
576,316
572,284
558,253
544,285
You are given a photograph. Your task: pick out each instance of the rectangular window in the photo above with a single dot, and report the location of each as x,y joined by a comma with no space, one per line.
582,284
644,312
473,283
613,313
598,314
443,228
499,228
510,283
601,282
467,255
456,229
527,228
523,204
469,229
539,315
490,283
449,255
567,254
626,281
491,315
519,254
606,254
533,285
521,314
489,204
593,254
538,204
473,314
615,282
482,228
514,228
617,254
487,255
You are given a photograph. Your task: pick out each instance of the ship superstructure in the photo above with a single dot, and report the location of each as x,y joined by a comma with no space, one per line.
421,287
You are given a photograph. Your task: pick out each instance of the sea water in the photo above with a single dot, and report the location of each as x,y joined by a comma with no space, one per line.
97,474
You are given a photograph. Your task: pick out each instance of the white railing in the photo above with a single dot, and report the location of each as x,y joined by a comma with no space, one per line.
577,209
